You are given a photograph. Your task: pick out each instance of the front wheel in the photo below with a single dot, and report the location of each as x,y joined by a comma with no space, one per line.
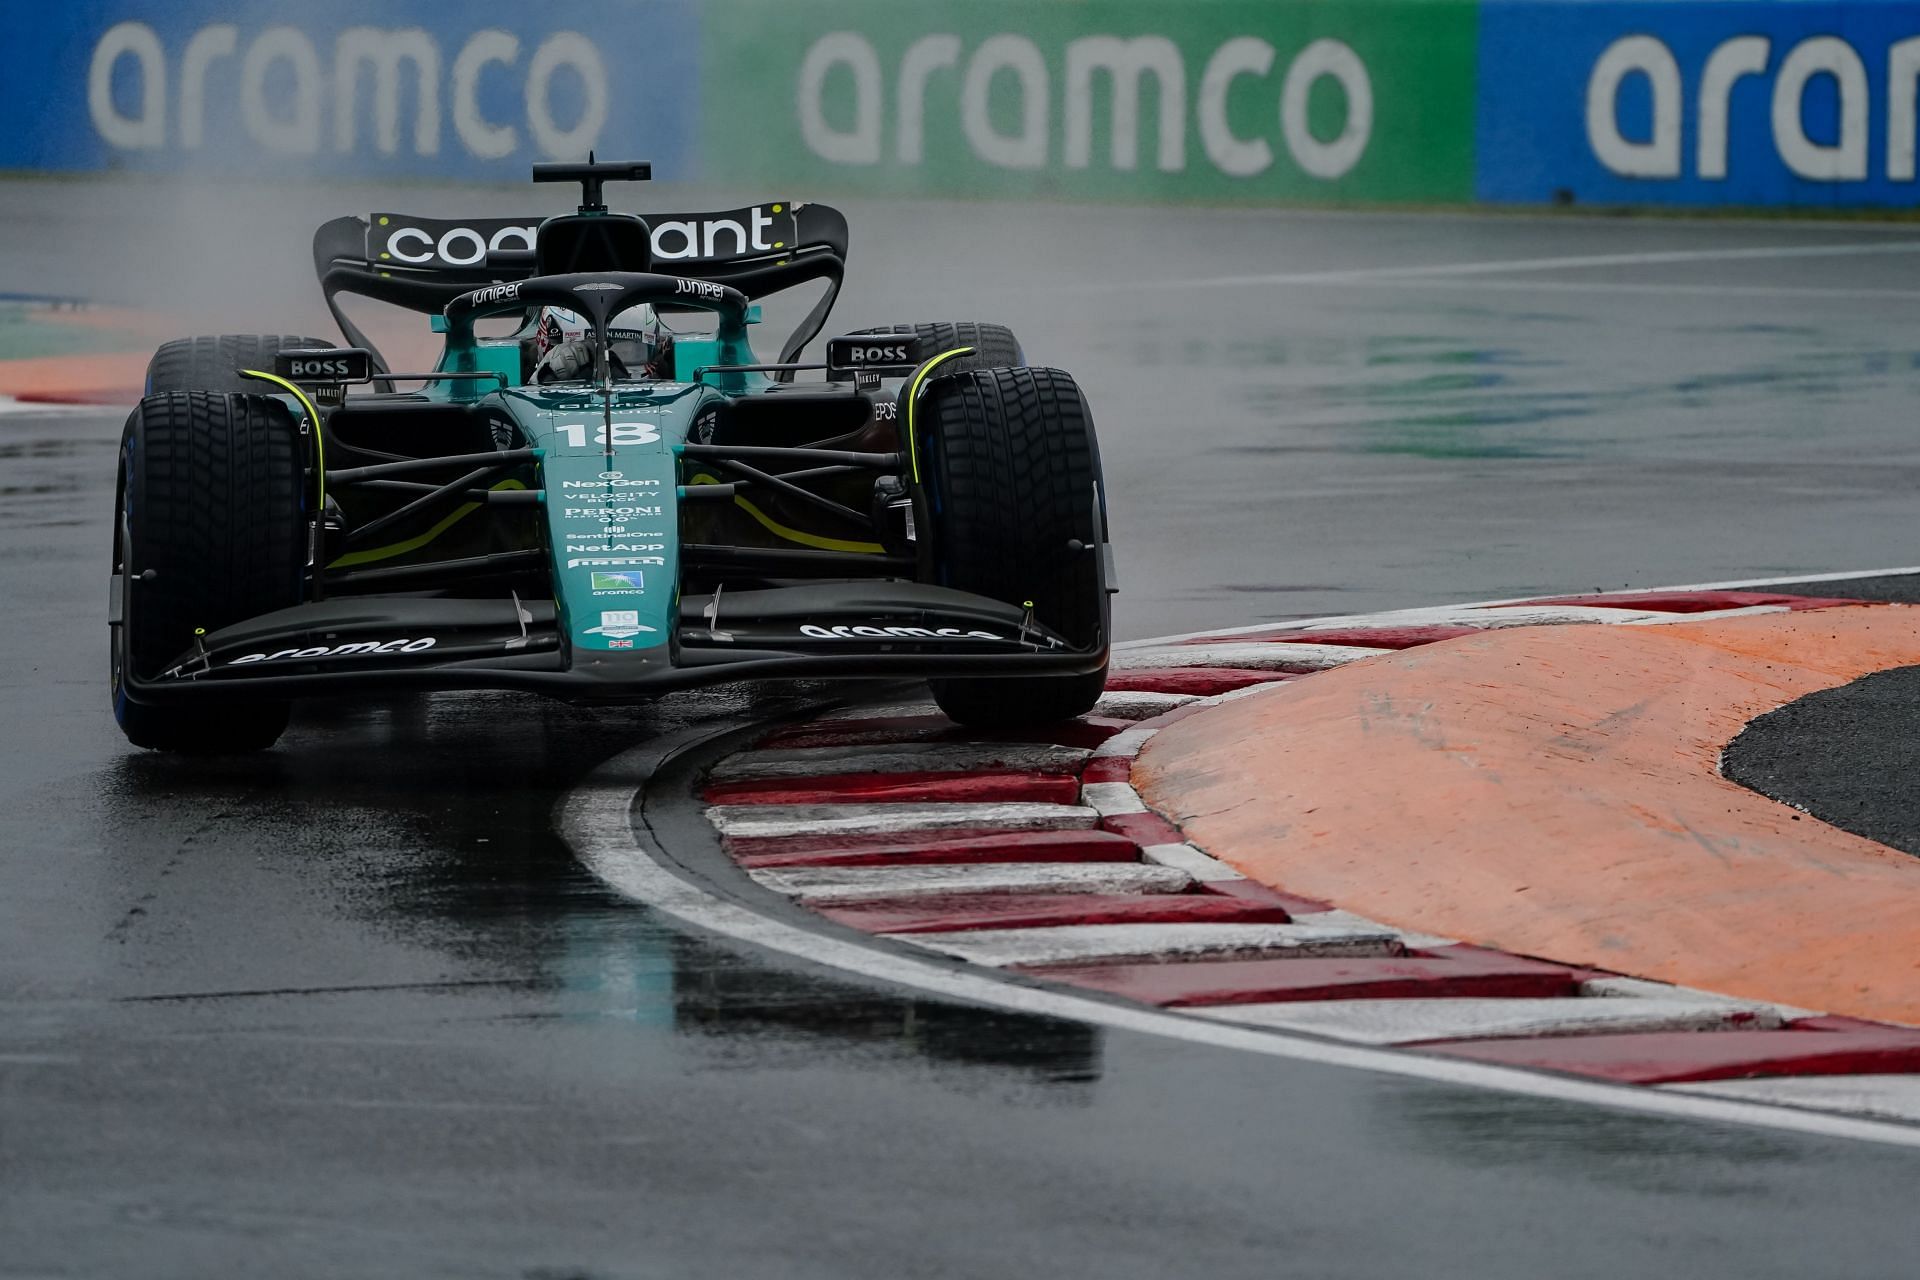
1012,473
209,532
994,346
215,363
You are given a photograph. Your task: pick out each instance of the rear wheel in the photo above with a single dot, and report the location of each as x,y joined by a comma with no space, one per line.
210,532
1014,491
994,346
214,363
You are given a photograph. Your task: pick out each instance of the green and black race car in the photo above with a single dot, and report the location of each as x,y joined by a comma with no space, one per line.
613,499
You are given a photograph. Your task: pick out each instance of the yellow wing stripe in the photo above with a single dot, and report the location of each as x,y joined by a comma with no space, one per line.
913,398
805,539
313,416
393,549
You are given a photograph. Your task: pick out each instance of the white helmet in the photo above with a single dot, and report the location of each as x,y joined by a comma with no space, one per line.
642,346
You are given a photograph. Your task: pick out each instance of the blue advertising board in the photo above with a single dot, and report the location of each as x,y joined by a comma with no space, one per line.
1705,102
474,90
1766,103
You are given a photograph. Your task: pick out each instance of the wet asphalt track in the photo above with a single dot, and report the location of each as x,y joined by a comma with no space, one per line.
1848,756
350,1009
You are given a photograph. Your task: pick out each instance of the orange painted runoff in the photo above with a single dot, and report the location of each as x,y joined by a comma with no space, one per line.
82,378
1555,792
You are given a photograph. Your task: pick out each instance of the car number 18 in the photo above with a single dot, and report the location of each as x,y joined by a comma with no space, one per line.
623,433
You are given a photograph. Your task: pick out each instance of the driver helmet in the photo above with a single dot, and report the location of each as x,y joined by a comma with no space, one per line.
642,345
555,326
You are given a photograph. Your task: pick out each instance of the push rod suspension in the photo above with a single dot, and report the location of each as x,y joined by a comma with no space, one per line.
440,571
499,458
445,493
794,491
783,561
725,492
770,453
498,497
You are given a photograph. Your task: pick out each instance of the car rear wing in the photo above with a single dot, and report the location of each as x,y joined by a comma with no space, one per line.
422,264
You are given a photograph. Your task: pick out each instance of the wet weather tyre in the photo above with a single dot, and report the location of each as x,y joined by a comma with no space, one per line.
994,346
214,363
1012,479
209,532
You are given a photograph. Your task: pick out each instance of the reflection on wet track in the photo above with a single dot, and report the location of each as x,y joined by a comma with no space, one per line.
731,998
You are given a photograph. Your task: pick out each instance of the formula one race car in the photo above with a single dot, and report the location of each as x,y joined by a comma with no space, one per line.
613,499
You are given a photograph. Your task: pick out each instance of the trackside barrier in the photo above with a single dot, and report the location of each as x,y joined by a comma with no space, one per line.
1763,103
1205,100
475,90
1740,102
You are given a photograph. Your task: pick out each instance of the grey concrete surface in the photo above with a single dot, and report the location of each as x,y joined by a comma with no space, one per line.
348,1009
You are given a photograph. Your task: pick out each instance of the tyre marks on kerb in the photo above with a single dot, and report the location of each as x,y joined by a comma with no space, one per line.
1218,978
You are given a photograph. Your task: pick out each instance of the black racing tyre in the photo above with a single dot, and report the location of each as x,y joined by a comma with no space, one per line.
1014,475
994,346
209,531
214,363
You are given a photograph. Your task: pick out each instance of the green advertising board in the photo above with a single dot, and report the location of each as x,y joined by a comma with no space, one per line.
1204,100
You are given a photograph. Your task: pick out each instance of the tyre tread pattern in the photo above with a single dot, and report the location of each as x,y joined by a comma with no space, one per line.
216,496
214,363
994,345
1015,465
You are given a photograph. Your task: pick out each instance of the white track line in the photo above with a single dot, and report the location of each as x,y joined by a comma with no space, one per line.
1470,610
1153,943
902,758
1125,744
1611,988
1501,617
1777,580
1253,657
596,820
1508,266
1350,920
1139,704
839,886
1413,1021
765,821
1711,615
1203,867
1112,799
1891,1097
1664,290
